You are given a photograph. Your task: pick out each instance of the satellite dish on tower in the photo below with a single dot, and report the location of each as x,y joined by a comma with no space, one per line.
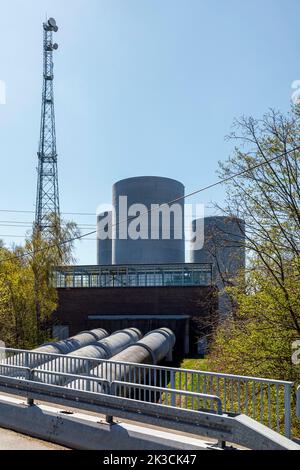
55,29
55,46
52,23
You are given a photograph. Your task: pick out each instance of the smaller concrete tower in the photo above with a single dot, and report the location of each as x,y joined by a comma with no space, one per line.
224,247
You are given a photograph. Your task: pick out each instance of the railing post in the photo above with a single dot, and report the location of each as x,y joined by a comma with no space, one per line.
287,410
26,359
87,367
30,401
221,444
110,390
298,402
109,419
172,382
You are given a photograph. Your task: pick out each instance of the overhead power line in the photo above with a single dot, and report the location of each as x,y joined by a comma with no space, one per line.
193,193
23,236
14,223
62,213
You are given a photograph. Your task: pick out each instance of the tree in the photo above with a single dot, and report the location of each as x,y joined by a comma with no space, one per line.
258,338
27,296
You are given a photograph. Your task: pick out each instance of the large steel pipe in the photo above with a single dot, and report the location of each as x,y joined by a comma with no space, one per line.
72,344
39,356
152,349
77,361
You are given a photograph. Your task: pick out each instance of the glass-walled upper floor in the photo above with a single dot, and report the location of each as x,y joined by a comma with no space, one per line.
158,275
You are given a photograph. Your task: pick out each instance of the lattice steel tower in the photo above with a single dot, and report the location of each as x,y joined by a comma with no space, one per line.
47,200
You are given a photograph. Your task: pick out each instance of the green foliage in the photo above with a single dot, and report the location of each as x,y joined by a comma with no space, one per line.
257,337
27,298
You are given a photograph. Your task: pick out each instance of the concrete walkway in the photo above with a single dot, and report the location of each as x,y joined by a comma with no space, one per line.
10,440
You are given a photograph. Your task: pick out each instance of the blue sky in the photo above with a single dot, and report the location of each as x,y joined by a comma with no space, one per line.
142,87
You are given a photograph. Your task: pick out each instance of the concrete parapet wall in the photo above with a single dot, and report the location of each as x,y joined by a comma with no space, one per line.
85,432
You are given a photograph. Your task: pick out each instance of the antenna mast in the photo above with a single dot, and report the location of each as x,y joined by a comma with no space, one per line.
47,199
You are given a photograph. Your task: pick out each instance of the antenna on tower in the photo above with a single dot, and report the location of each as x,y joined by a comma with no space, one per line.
47,198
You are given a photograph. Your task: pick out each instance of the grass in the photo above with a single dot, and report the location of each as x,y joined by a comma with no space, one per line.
194,364
189,381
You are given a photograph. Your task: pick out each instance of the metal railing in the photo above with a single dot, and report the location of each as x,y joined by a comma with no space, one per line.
140,392
237,429
166,396
265,400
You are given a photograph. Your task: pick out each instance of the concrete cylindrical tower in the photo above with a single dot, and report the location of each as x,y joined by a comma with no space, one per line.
224,239
161,232
224,247
104,246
